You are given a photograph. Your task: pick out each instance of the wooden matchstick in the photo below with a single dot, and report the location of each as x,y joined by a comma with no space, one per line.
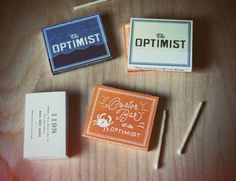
156,164
186,136
89,4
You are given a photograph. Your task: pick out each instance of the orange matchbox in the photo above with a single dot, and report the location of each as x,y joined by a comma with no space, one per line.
121,117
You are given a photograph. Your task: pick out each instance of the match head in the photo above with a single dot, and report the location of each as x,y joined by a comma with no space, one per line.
179,152
155,166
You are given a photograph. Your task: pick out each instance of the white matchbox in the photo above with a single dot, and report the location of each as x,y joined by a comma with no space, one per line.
160,44
45,125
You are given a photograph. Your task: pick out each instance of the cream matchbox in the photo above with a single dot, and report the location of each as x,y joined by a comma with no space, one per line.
45,125
160,44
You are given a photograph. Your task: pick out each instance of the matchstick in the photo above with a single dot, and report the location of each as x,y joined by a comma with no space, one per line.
156,164
89,4
186,136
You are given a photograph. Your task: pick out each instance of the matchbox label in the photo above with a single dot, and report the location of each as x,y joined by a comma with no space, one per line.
76,43
121,116
159,43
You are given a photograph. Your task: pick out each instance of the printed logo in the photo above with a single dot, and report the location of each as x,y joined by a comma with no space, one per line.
102,122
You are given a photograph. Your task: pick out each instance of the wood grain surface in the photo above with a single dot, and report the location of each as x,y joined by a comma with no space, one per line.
210,153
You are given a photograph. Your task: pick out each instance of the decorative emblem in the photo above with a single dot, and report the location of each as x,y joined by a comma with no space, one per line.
102,122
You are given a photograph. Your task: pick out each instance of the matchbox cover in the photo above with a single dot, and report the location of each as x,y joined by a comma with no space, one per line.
160,44
121,117
76,43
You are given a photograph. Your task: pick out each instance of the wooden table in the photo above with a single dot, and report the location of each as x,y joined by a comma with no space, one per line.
24,68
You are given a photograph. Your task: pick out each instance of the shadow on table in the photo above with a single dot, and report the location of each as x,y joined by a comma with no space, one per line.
107,20
201,44
74,125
